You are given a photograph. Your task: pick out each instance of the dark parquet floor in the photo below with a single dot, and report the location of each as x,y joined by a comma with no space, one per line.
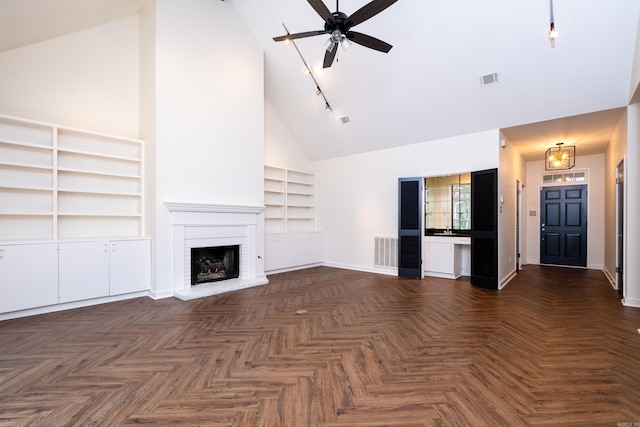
554,348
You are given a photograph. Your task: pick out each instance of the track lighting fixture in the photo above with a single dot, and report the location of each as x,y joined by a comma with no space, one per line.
553,33
307,70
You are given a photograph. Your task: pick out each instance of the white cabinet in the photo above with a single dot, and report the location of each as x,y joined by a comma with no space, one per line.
129,266
444,256
28,276
84,270
104,268
290,250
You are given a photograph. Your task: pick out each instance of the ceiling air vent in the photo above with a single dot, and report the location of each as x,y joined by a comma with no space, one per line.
345,119
489,79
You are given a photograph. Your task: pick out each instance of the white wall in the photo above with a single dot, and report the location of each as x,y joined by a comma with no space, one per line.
616,151
632,189
511,169
209,117
595,206
635,70
87,79
357,196
280,149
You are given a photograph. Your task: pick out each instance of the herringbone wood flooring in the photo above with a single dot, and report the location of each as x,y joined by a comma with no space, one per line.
554,348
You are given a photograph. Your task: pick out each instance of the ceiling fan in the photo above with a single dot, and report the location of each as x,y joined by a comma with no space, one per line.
338,26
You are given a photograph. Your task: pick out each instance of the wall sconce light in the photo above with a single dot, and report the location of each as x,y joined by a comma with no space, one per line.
560,158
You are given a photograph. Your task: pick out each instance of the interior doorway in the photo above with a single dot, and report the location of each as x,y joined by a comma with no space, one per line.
620,229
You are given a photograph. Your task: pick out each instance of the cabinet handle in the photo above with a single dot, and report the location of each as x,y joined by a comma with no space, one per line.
106,247
1,253
113,247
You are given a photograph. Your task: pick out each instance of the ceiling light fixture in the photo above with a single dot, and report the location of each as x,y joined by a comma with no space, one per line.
308,71
553,33
560,158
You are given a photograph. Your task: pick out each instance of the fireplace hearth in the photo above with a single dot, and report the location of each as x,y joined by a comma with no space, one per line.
212,264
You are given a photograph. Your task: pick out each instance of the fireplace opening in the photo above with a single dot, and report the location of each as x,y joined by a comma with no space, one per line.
214,263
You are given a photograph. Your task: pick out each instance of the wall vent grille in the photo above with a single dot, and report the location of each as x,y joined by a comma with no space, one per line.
489,79
385,251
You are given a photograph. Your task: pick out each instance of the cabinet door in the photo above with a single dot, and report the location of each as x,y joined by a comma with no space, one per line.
426,256
308,248
28,276
84,270
129,266
441,257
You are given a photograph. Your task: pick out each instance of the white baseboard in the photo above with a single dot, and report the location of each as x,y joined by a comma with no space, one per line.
387,271
507,279
70,305
631,302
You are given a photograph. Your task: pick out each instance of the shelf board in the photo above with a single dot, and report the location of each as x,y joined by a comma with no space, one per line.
26,144
306,184
99,214
266,178
296,193
50,214
24,188
93,154
26,165
89,172
102,193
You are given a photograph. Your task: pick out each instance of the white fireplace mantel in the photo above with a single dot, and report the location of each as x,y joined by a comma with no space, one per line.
198,225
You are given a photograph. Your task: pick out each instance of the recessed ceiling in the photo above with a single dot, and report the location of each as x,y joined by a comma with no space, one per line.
590,133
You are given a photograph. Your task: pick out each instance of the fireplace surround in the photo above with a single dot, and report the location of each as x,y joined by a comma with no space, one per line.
196,225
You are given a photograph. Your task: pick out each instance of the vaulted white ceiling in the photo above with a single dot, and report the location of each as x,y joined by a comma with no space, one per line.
428,85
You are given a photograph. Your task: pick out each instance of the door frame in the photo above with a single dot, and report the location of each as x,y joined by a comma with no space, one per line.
520,232
621,200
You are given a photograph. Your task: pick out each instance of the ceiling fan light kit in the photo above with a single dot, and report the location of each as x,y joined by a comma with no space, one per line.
338,26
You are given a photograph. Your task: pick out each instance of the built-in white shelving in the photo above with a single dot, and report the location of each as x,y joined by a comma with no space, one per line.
291,238
289,198
58,182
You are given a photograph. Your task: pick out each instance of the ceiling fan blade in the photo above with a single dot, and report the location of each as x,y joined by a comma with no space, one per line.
368,41
367,11
329,57
322,10
299,35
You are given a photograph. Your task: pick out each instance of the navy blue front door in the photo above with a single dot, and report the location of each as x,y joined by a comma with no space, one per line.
563,225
